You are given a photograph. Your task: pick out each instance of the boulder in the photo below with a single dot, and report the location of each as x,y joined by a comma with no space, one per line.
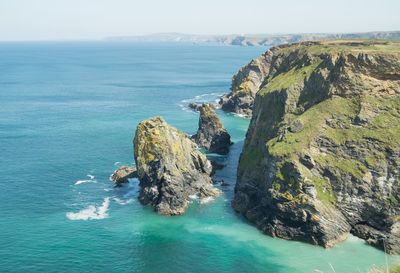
122,175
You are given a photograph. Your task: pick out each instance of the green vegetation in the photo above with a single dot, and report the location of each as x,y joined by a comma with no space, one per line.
324,190
295,75
313,119
392,200
346,45
250,157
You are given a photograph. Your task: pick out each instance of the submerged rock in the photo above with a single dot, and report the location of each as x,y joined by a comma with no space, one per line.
322,153
197,107
170,168
194,106
212,134
122,175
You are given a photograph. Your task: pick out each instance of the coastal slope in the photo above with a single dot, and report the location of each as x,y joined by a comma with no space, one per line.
321,157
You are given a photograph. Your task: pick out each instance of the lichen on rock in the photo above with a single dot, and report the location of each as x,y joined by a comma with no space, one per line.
170,168
322,153
212,134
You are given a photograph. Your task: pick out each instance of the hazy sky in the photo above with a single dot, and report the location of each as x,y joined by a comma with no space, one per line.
95,19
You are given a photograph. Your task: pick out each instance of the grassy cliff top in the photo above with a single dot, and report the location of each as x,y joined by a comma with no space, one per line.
345,45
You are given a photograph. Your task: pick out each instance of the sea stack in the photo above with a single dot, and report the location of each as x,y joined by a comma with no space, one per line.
321,157
170,168
212,134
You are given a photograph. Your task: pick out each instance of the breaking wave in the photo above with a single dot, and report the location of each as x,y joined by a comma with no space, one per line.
91,212
210,97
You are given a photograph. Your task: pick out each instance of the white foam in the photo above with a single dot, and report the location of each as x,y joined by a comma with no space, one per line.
90,176
123,202
116,163
206,200
194,196
91,212
241,116
215,155
85,181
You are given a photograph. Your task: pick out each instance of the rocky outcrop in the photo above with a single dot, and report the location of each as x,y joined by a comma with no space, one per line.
212,134
245,84
170,168
197,107
321,157
122,175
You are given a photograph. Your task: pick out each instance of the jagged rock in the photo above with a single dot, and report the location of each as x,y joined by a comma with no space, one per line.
296,126
212,134
170,168
245,84
382,240
197,107
194,106
122,175
322,153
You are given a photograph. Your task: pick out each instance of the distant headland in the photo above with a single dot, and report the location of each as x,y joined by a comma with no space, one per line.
254,39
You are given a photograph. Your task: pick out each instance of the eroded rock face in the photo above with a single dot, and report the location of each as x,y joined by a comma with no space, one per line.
122,175
170,168
245,84
212,134
322,153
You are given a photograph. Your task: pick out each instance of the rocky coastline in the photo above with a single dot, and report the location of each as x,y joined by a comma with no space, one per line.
321,157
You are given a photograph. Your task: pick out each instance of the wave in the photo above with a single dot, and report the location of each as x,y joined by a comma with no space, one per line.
91,212
116,163
91,180
209,97
90,176
123,202
85,181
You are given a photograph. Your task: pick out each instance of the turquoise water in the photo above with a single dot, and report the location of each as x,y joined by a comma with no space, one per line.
67,119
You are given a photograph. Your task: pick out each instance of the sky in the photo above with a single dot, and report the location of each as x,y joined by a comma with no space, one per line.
97,19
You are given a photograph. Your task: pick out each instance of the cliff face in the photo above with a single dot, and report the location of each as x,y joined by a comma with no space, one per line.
322,152
170,168
245,84
212,134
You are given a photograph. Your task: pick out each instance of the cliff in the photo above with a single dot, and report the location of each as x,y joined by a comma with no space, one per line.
321,157
245,84
169,167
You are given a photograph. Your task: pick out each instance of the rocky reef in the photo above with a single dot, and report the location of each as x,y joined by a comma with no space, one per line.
196,107
122,175
245,84
321,157
212,134
170,168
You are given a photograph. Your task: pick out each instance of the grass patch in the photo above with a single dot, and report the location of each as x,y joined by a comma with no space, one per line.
295,75
312,120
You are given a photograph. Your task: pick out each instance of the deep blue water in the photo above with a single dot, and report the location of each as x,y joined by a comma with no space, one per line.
68,114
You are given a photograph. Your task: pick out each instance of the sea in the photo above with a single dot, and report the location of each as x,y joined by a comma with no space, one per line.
68,114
